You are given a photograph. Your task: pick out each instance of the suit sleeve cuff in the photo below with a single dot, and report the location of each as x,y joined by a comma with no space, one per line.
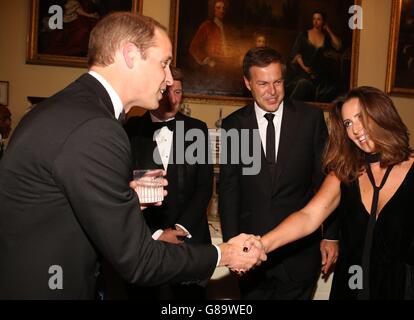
189,236
218,255
157,234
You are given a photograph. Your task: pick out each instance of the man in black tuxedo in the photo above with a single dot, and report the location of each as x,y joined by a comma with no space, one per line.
5,126
291,136
64,180
182,217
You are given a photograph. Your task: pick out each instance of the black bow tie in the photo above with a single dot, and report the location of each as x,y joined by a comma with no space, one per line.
169,124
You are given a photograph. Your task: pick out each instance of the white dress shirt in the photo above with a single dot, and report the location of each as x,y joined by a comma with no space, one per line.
164,139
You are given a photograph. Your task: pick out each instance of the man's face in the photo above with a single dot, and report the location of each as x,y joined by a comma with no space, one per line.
266,86
171,101
5,122
219,10
153,72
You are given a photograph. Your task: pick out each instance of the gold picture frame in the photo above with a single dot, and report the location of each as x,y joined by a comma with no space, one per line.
400,66
67,46
187,15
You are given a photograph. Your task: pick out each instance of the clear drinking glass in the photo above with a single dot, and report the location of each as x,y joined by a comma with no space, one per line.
149,185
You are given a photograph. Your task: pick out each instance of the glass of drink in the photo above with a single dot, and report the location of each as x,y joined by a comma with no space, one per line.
149,185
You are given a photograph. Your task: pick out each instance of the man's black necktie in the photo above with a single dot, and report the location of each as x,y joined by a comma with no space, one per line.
169,124
270,139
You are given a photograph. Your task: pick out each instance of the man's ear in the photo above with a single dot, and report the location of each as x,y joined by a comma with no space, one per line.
247,83
129,52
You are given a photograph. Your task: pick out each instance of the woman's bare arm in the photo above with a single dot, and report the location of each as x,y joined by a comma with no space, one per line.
308,219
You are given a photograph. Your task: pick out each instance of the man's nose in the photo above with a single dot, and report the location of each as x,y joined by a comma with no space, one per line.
173,98
168,77
272,89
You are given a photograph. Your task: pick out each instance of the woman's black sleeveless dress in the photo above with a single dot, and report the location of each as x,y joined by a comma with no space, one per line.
391,257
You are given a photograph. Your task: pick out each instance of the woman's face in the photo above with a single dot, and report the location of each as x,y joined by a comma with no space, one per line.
317,21
219,10
354,126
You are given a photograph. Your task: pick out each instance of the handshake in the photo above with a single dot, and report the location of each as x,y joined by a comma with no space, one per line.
242,253
239,254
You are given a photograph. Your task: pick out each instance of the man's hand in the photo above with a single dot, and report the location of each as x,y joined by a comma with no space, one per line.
171,236
241,253
177,227
329,252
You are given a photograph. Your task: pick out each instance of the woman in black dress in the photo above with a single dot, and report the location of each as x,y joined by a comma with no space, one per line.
371,176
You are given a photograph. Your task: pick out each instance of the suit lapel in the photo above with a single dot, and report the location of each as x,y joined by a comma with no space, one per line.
100,92
179,168
287,134
249,121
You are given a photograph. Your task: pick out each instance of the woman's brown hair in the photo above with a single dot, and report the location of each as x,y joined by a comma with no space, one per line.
381,122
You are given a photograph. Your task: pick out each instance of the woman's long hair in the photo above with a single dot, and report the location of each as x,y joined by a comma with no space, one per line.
382,124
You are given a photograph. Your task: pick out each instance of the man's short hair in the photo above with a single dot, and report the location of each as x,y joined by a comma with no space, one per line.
177,74
261,57
115,29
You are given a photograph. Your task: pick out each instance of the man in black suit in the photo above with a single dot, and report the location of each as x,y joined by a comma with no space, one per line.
64,180
287,139
182,217
5,126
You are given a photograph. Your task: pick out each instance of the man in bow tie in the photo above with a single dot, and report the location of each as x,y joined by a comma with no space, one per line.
182,216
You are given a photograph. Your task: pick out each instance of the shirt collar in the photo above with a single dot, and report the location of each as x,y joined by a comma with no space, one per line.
116,100
260,112
155,119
